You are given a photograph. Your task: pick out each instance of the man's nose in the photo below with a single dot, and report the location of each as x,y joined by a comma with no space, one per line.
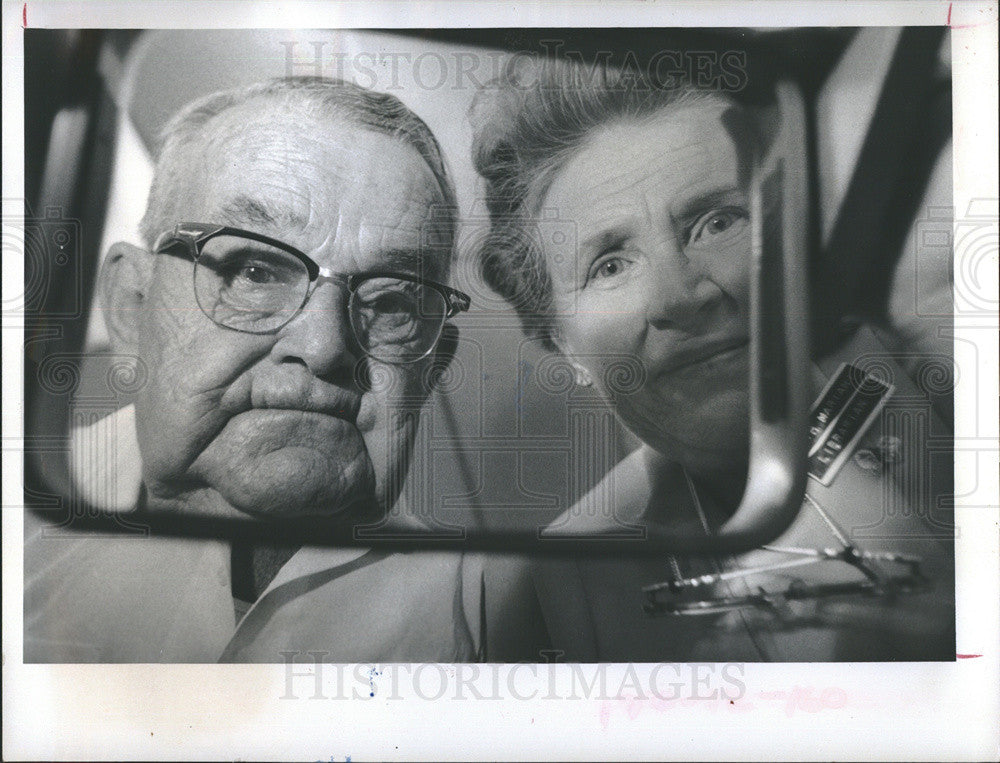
679,295
320,336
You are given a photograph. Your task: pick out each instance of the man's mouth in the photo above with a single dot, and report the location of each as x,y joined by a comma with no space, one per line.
336,403
258,431
272,419
337,413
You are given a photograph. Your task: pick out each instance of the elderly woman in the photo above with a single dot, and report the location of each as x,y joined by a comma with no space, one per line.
656,184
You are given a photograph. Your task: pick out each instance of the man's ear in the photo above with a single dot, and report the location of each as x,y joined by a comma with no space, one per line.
444,353
123,285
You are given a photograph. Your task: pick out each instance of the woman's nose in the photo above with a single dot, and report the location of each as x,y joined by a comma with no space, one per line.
678,295
320,336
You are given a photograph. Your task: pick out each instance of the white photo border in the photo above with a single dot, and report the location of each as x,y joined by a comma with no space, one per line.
906,710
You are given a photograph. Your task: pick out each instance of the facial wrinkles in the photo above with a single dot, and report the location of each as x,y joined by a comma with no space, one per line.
365,220
204,395
288,189
634,180
638,199
342,197
341,226
283,159
401,219
648,194
210,393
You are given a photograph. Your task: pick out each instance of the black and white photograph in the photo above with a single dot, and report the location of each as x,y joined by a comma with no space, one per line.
636,375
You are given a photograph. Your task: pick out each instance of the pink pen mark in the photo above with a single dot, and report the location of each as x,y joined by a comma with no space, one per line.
24,16
964,26
967,656
634,705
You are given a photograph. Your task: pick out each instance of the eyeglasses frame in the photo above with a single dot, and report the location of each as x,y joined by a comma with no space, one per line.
195,235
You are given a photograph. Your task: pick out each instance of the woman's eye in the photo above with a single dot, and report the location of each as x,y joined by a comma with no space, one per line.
608,267
718,226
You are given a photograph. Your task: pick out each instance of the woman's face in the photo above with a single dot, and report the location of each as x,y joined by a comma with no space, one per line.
659,279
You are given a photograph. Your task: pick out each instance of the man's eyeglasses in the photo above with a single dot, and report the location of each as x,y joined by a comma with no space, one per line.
255,284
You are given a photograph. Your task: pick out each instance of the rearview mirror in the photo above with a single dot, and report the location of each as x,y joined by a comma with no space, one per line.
779,391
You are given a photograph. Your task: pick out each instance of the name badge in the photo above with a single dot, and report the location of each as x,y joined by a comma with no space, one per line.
845,410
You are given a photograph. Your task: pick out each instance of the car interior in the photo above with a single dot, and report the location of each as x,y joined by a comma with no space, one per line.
866,119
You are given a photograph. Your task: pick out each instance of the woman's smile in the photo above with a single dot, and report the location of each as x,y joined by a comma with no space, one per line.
698,357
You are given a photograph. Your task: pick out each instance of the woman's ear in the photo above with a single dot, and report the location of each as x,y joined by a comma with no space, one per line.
581,376
123,285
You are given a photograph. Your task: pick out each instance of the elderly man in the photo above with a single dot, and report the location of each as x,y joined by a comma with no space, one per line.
289,300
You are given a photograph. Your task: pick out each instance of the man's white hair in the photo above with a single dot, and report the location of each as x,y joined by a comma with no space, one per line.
321,96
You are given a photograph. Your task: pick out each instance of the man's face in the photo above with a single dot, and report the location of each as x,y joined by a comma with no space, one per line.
278,424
